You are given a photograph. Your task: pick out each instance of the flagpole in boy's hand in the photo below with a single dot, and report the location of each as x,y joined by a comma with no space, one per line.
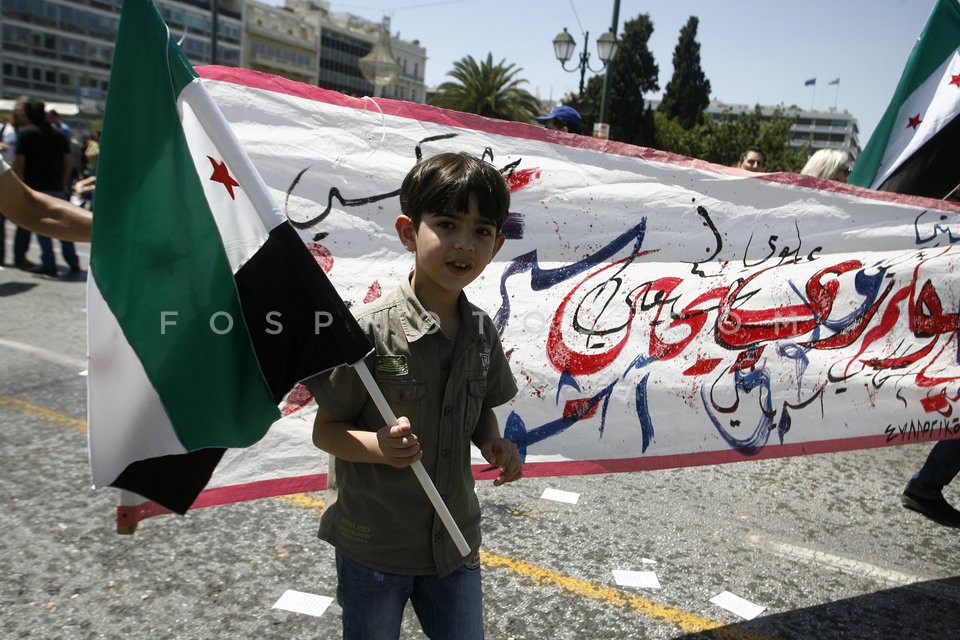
387,413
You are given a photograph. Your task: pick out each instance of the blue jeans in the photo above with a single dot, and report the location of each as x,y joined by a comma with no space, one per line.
942,466
21,243
449,608
67,248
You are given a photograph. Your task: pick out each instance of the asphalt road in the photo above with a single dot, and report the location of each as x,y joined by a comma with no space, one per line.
821,542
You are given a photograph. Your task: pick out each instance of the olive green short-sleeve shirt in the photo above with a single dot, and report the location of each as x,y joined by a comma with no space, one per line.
379,515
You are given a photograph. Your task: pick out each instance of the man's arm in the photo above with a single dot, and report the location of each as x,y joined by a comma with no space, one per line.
41,213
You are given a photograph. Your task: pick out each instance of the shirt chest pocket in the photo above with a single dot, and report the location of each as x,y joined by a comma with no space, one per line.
476,391
405,398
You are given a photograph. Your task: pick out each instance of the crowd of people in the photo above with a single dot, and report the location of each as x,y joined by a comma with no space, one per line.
39,170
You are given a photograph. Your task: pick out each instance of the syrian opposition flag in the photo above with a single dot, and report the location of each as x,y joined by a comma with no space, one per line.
204,305
916,147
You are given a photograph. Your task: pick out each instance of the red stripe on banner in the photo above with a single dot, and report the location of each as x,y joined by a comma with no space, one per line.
460,120
129,516
653,463
427,113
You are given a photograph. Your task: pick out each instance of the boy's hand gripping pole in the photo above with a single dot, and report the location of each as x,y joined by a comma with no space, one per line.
387,413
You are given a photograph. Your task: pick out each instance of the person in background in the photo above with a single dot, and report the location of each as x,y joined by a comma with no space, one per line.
924,491
562,118
43,162
751,159
91,154
831,164
440,363
53,117
39,212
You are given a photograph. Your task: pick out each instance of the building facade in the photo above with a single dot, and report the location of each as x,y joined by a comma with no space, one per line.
61,50
345,38
830,129
280,42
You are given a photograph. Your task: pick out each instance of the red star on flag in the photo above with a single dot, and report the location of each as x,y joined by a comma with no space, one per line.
955,80
222,175
914,122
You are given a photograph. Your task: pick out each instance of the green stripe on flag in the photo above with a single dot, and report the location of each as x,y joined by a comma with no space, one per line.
157,254
940,38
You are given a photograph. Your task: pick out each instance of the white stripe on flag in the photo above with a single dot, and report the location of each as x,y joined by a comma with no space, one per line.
936,102
115,366
245,220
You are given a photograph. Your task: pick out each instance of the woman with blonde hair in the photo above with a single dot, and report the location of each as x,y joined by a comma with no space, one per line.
832,164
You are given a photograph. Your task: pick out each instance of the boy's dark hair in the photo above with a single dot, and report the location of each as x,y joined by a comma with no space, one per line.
446,181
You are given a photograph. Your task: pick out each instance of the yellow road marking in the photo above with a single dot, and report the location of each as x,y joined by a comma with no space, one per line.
28,408
304,501
659,613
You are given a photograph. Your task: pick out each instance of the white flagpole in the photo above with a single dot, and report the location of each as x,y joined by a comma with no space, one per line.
127,499
387,413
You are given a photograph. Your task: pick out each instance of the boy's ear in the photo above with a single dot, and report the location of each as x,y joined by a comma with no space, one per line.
497,244
407,232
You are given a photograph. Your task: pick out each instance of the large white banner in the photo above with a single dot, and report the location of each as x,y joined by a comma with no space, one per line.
657,311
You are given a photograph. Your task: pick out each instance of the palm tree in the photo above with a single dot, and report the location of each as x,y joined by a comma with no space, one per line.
487,89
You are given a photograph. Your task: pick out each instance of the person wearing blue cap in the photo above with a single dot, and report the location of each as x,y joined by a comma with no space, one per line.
562,118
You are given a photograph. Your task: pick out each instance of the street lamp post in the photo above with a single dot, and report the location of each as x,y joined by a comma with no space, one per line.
606,81
564,46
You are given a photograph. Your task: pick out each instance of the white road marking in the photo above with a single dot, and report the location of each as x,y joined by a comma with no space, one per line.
46,354
846,565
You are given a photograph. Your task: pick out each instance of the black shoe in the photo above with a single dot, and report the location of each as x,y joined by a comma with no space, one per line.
23,263
937,509
44,271
75,269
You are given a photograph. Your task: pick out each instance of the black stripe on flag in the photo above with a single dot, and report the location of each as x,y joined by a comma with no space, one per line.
933,170
281,290
174,481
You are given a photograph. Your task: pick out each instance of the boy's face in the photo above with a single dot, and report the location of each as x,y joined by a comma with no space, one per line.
452,248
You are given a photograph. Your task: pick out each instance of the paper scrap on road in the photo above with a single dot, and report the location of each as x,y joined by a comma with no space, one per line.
560,495
300,602
736,604
647,561
639,579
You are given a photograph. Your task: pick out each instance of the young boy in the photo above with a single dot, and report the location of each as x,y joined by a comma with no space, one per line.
439,362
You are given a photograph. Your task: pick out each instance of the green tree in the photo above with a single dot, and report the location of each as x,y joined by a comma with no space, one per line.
722,141
632,74
487,89
688,92
589,103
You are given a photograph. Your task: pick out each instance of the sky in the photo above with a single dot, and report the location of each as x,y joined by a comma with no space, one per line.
752,51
